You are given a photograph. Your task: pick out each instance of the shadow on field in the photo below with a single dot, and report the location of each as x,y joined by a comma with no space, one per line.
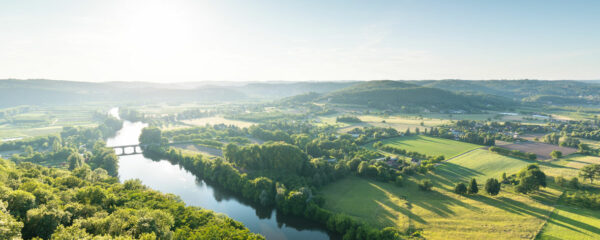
440,204
449,173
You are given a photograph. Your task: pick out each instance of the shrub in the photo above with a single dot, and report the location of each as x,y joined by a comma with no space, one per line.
460,188
492,186
425,185
399,181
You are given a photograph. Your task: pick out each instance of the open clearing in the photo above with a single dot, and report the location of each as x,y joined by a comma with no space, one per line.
218,120
542,150
430,145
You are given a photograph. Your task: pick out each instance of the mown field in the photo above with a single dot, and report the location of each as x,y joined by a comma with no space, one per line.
430,145
442,214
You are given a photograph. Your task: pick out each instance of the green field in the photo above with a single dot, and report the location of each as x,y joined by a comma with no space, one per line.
568,167
45,120
567,222
430,145
480,164
441,214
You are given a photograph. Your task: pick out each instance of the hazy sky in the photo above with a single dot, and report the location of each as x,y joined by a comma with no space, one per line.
185,40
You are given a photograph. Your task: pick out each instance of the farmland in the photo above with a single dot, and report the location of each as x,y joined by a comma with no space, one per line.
542,150
480,164
441,214
430,145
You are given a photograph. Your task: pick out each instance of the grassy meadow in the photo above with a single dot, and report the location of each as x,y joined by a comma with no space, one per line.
442,214
430,145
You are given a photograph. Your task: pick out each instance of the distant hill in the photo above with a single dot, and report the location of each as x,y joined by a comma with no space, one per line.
518,89
40,92
276,90
397,94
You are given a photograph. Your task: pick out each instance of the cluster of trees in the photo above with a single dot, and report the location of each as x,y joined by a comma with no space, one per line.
572,183
480,138
36,143
368,134
513,153
401,151
582,199
274,156
49,203
463,189
590,171
269,135
530,179
562,140
72,151
348,119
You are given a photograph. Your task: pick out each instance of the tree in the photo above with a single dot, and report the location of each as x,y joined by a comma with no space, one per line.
460,188
75,160
530,178
41,222
591,172
574,183
9,227
151,136
19,202
556,154
425,185
399,181
473,189
492,186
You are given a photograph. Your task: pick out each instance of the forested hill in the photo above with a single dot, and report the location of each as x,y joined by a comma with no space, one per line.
397,94
521,89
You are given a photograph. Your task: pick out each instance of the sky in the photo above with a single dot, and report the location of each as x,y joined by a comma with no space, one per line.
267,40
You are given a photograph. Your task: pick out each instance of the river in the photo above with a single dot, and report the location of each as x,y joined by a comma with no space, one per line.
169,178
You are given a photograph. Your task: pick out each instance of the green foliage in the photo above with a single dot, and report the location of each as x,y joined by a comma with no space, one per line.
556,154
513,153
425,185
85,204
492,186
151,136
348,119
75,160
530,179
276,156
10,228
591,172
583,199
19,202
473,188
460,188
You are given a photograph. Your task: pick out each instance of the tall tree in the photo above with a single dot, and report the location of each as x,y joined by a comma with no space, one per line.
473,189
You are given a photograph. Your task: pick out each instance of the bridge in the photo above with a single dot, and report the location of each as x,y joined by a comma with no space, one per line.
135,148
